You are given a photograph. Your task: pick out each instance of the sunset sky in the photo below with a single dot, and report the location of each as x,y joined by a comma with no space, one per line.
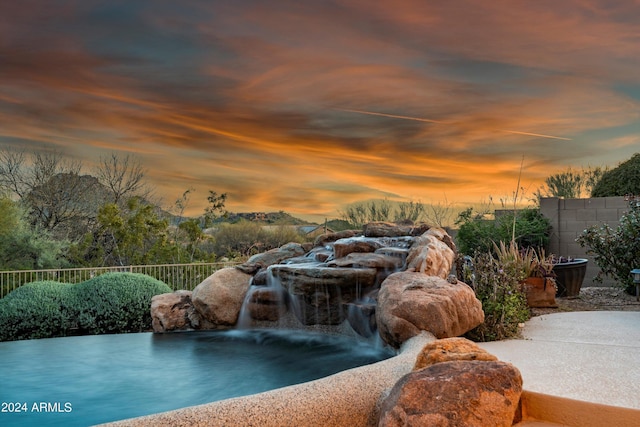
306,106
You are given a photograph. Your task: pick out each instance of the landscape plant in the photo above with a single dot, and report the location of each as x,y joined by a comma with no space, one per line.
497,284
616,250
110,303
571,183
621,180
116,302
36,310
478,234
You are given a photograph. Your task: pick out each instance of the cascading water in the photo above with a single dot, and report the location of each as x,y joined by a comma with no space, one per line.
322,291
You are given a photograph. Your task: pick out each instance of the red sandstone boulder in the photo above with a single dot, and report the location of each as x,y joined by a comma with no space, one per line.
326,239
460,393
388,229
219,297
410,302
431,256
344,247
173,311
273,256
451,349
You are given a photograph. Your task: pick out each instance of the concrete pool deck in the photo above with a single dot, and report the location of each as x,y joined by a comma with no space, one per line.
583,367
579,369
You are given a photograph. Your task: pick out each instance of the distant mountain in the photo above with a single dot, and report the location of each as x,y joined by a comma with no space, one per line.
263,217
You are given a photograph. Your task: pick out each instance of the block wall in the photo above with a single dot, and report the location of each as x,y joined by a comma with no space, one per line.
569,217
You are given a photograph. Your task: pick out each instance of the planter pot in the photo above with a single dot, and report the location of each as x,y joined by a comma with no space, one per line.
569,277
540,292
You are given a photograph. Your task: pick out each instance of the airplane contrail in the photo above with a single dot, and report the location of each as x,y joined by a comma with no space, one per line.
394,116
535,134
418,119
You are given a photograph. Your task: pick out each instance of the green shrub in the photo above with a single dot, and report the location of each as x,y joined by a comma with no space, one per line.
497,286
36,310
478,235
616,251
117,302
110,303
620,181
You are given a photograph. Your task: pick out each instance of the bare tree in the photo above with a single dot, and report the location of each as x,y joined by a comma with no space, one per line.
123,176
57,197
12,173
359,214
439,214
20,178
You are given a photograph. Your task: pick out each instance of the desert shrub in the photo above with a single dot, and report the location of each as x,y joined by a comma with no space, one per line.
36,310
615,250
281,235
117,302
497,285
110,303
240,239
478,234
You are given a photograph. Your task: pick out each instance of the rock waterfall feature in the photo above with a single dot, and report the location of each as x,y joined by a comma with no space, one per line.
388,279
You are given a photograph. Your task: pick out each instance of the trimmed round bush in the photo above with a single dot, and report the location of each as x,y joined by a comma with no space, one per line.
117,302
36,310
110,303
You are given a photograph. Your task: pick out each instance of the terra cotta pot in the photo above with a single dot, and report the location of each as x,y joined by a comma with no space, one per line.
540,292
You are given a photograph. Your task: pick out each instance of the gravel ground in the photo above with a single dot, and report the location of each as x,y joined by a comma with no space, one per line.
594,299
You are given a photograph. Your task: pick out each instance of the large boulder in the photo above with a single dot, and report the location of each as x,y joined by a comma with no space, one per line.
326,239
442,235
388,229
451,349
219,297
173,311
344,247
458,393
410,302
273,256
431,256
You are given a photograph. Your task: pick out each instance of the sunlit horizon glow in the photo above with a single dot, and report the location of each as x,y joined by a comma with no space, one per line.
307,107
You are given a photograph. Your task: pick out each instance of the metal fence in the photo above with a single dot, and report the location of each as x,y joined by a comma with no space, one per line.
177,276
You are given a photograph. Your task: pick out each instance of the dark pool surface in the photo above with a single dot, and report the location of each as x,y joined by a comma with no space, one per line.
80,381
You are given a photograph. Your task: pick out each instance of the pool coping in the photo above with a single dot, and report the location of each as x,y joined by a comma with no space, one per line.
350,397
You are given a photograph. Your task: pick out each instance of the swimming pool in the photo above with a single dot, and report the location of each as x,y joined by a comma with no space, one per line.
79,381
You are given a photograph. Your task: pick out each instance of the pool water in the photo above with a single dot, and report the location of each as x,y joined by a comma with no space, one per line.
80,381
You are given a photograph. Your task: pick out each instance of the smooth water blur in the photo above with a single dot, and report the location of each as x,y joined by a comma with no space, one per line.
80,381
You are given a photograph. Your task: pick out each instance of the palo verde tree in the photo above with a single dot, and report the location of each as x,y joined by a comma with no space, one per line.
571,184
132,235
189,231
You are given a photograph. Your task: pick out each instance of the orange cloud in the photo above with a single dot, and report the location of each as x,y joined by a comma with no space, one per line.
306,106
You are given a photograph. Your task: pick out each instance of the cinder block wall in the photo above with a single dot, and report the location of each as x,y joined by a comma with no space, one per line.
569,217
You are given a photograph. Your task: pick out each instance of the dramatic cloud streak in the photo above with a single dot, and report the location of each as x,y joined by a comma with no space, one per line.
308,106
